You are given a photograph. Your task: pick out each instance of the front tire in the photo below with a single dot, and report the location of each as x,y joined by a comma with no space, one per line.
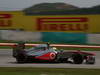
77,58
90,60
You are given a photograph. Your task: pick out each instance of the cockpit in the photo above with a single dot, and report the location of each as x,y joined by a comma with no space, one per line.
38,48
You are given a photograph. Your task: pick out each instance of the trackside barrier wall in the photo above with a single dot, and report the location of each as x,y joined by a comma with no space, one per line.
56,45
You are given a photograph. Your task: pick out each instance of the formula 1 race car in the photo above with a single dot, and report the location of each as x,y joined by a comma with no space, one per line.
46,53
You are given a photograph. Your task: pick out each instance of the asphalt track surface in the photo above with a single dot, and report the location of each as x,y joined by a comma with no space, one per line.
6,60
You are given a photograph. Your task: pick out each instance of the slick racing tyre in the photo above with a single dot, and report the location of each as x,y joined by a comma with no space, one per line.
21,59
77,58
90,60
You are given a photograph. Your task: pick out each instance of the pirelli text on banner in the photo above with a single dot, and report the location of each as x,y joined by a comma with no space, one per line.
5,20
62,24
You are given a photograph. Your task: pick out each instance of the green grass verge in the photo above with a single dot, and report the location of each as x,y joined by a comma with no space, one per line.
47,71
2,47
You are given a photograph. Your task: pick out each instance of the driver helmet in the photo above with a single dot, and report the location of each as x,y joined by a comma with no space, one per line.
54,48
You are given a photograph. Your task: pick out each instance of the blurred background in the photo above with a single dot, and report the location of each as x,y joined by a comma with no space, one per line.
48,8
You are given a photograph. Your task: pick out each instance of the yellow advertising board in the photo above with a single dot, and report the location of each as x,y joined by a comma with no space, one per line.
50,23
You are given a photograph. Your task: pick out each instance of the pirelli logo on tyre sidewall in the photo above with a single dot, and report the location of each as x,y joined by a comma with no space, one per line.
63,24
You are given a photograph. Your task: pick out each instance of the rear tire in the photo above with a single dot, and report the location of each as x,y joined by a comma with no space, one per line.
77,58
20,59
90,60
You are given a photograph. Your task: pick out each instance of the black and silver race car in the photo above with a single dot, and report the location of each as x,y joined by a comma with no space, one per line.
46,53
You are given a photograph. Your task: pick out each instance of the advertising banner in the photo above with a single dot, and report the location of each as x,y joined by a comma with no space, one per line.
50,23
63,37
